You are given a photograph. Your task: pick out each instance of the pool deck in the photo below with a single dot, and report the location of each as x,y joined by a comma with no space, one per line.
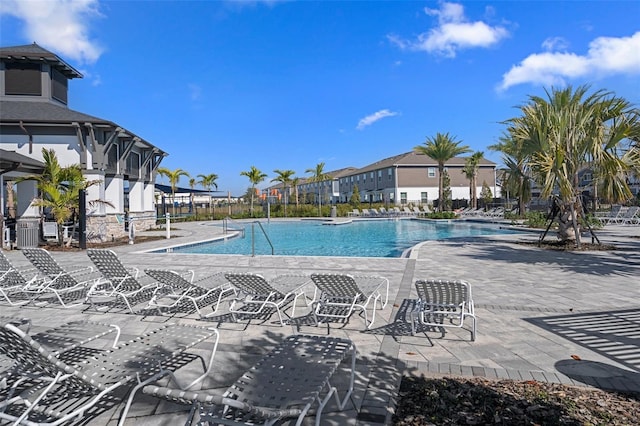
549,316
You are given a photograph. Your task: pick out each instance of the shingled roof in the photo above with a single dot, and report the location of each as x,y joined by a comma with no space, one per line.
35,53
46,112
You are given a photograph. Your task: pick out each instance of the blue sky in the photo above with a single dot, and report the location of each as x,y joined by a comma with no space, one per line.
225,85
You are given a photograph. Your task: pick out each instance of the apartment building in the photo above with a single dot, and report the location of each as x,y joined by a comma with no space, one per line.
412,178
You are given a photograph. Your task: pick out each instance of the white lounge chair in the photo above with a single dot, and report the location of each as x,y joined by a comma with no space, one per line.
65,391
340,295
257,295
118,283
13,281
186,295
67,285
286,383
443,303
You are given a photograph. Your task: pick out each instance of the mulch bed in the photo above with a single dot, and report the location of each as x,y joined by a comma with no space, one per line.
569,245
453,401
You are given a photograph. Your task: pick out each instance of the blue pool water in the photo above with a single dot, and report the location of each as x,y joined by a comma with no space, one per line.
377,238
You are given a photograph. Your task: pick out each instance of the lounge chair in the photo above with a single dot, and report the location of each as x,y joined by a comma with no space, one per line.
13,280
256,294
443,303
65,391
65,284
340,295
186,295
64,342
118,283
631,216
286,383
354,212
612,216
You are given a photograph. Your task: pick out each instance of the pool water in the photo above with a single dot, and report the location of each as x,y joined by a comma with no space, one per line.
367,238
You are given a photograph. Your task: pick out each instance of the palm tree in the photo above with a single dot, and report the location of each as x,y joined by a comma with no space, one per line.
207,182
255,177
517,175
174,177
59,189
470,170
294,183
192,184
570,131
284,177
441,148
318,176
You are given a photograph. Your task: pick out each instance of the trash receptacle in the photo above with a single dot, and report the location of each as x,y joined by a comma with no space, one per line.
334,211
28,233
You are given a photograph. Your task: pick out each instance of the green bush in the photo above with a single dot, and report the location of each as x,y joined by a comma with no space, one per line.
441,215
535,219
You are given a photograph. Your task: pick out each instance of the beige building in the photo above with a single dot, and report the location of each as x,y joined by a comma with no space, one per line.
412,178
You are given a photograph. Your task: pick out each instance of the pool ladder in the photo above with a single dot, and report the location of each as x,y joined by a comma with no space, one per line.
240,228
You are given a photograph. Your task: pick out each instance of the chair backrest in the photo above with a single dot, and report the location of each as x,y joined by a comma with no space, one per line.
443,292
10,276
5,264
31,356
170,278
251,283
47,265
112,269
336,285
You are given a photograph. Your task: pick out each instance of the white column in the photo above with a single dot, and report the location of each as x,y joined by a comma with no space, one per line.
95,192
149,197
114,193
136,196
27,191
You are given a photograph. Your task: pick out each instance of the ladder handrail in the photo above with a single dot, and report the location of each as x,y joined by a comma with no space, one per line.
253,247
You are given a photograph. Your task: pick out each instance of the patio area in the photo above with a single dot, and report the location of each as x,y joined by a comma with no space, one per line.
536,310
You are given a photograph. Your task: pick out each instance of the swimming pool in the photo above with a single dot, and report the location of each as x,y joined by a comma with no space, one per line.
366,238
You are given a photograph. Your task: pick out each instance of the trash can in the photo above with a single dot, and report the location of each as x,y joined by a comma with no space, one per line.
28,233
334,211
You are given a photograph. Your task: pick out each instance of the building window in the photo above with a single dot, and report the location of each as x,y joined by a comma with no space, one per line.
403,198
379,174
431,172
59,86
371,175
424,197
390,173
22,79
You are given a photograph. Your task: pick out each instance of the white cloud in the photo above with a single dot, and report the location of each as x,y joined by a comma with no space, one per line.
554,44
372,118
59,25
454,32
606,56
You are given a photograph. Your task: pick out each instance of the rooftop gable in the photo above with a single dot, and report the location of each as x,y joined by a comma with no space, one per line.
33,53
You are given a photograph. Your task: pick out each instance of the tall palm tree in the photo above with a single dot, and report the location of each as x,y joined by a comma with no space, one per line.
284,177
174,178
470,170
59,189
569,131
208,182
294,183
318,176
255,177
441,148
517,175
192,184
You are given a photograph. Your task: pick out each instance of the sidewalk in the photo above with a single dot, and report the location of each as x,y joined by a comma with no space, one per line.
535,310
